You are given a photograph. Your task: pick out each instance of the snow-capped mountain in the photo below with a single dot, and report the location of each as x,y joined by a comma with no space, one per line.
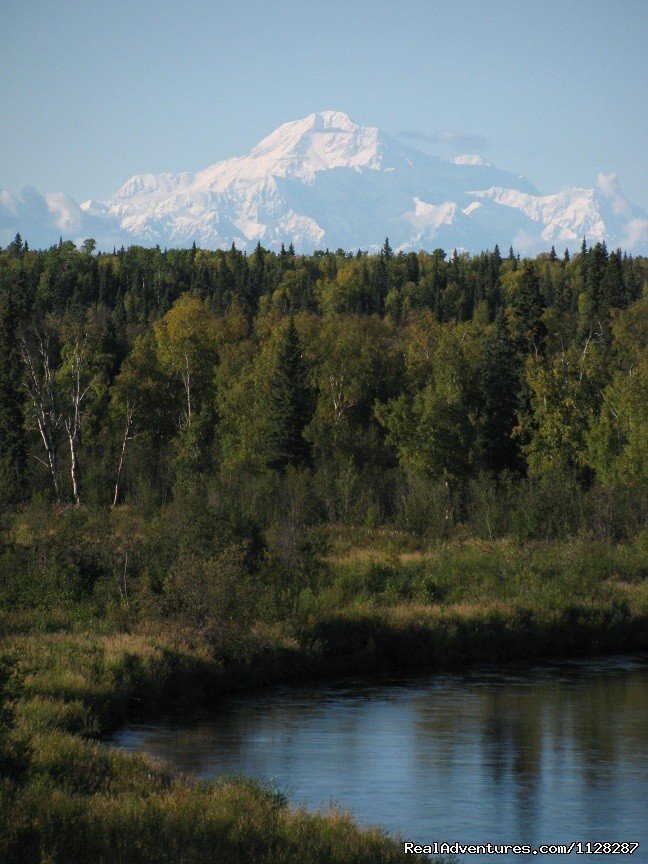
325,181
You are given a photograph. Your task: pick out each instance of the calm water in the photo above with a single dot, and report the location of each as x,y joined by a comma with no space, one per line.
537,755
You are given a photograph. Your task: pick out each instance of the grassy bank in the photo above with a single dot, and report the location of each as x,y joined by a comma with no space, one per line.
66,798
371,600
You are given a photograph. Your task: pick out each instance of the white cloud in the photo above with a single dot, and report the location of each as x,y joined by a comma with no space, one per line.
524,241
610,188
453,140
636,233
66,212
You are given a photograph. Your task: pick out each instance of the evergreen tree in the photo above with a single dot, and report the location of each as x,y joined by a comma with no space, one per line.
595,264
493,287
16,246
529,306
501,373
613,293
378,288
289,406
256,281
633,279
413,268
12,432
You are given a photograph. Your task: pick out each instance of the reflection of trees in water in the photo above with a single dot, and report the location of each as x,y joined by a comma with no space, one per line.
534,733
491,731
285,734
509,744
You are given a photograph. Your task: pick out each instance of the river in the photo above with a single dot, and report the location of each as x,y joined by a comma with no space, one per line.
539,754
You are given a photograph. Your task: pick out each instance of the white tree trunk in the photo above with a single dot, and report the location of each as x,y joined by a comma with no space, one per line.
73,420
42,394
127,438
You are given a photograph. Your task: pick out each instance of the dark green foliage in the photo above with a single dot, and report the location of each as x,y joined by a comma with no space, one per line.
501,372
594,263
12,419
529,305
613,290
289,406
194,363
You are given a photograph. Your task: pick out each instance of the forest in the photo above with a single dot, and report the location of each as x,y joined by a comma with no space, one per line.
221,470
365,380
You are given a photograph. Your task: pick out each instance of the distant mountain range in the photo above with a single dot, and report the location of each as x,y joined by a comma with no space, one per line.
325,181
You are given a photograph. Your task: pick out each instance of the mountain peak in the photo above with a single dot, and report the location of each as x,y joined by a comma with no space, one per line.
328,139
337,120
289,133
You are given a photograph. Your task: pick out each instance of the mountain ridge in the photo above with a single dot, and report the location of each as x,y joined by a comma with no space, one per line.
324,180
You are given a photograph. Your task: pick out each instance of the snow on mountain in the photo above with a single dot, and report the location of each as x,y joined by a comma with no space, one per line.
470,159
563,218
327,181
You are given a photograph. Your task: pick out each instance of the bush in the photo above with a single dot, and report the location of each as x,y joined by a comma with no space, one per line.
211,595
427,508
550,507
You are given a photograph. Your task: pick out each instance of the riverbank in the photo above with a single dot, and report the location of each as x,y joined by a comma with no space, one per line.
77,675
89,683
77,686
69,799
503,753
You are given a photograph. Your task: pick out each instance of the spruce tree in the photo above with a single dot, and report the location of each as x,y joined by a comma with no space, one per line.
493,295
500,376
16,246
595,265
12,432
529,305
613,292
289,405
379,288
257,274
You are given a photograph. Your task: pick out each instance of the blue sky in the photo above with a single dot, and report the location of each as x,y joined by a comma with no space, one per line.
94,92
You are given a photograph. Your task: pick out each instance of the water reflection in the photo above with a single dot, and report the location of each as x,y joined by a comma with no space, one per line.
542,755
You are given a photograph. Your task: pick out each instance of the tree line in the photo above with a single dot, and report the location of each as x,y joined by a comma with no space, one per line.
375,383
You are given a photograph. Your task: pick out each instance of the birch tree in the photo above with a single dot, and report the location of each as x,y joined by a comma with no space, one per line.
36,342
186,340
139,404
63,367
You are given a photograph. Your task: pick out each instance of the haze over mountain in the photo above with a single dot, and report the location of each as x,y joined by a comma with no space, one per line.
325,181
